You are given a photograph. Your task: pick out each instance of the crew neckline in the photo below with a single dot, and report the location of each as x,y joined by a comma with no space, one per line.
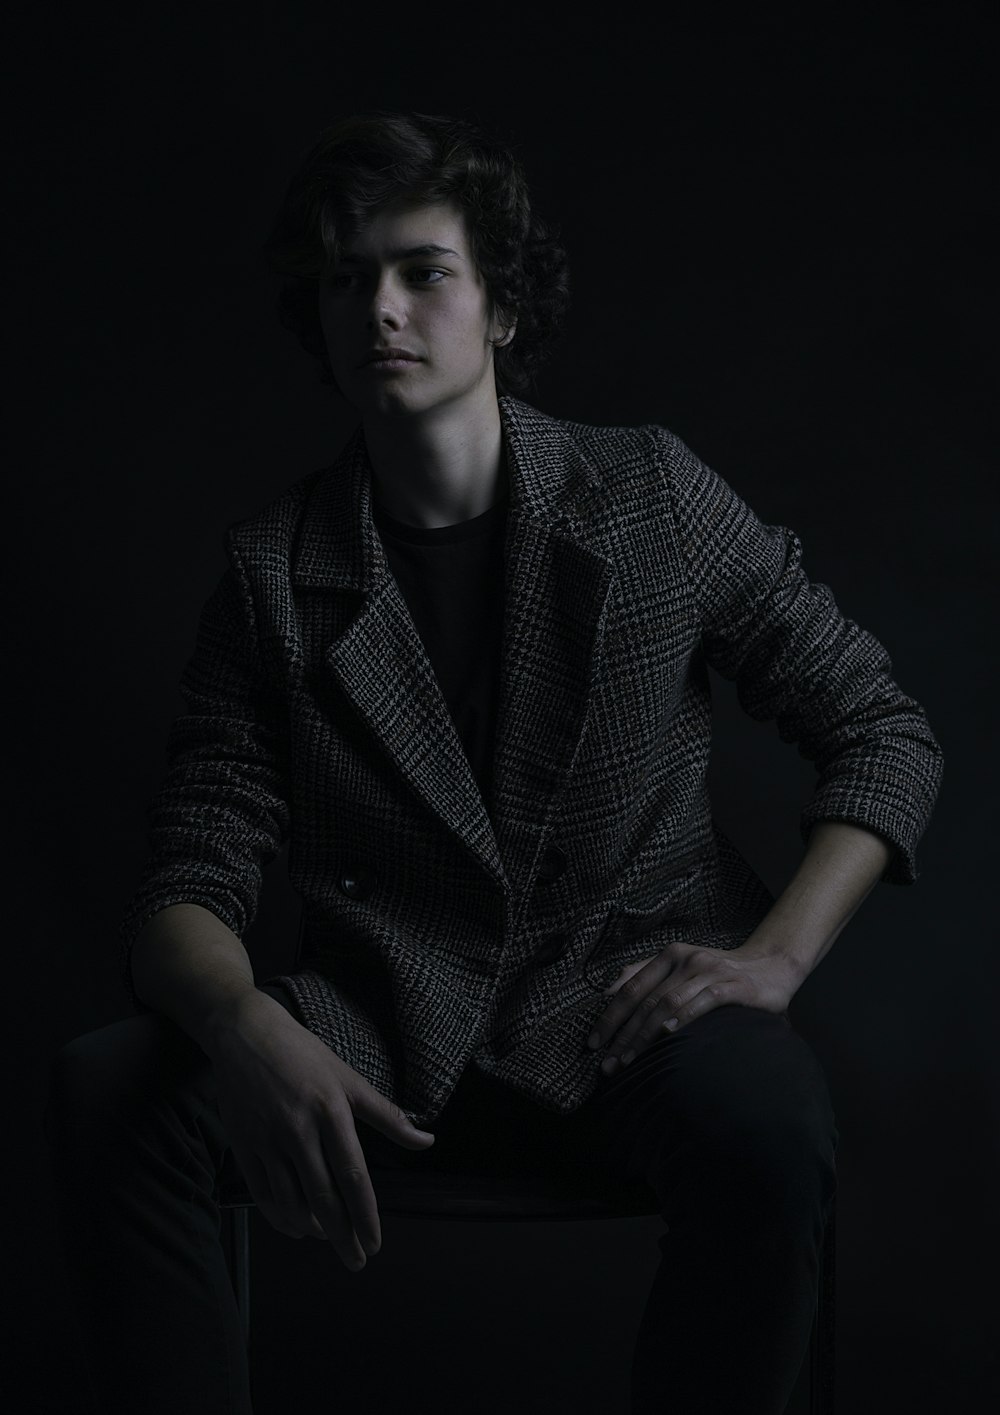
436,535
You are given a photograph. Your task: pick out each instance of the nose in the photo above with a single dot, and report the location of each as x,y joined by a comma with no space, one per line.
384,310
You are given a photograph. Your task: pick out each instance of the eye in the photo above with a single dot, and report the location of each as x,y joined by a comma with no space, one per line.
426,276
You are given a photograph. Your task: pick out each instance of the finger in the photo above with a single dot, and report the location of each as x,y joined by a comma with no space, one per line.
291,1209
255,1177
306,1223
638,996
716,993
629,971
259,1181
385,1116
670,1019
645,1021
356,1210
642,1028
312,1228
315,1229
333,1223
663,1012
328,1202
628,997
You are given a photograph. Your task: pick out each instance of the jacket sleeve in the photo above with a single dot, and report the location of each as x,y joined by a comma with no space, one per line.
221,812
797,660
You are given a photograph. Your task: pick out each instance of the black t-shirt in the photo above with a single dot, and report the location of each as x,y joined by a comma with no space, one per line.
452,578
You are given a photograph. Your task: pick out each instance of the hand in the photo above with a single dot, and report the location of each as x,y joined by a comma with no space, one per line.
684,981
288,1104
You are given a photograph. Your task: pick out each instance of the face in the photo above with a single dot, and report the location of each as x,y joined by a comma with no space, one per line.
407,284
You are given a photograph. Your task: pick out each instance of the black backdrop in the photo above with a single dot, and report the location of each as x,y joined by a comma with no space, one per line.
779,238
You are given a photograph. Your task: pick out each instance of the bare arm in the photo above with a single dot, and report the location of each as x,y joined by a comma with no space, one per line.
189,965
840,868
287,1101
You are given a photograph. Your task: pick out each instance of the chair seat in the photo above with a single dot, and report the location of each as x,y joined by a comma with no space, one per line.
447,1194
429,1193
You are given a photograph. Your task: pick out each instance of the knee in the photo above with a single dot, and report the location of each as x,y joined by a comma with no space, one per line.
102,1080
780,1138
756,1119
784,1160
82,1080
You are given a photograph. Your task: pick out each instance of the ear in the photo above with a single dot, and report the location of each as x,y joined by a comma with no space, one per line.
507,332
503,328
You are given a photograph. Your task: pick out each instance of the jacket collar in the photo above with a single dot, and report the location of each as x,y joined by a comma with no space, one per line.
339,547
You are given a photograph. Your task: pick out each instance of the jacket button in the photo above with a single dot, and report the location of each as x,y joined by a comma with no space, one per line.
357,883
552,948
552,864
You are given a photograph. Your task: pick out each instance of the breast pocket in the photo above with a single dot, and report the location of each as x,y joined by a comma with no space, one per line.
648,917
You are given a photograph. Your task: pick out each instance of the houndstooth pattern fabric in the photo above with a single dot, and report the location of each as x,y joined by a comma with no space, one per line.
436,935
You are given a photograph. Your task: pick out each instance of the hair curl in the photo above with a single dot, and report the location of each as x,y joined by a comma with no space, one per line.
364,163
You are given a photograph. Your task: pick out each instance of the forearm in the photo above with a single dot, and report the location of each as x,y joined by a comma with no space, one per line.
187,964
840,868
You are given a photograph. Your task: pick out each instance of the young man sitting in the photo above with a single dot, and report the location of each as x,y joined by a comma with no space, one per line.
462,672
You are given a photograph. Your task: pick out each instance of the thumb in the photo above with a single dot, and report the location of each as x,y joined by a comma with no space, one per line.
396,1125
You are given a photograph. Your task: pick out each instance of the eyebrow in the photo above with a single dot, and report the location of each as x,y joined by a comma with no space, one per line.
350,258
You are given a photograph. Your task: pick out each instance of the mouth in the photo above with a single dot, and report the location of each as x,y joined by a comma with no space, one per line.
389,359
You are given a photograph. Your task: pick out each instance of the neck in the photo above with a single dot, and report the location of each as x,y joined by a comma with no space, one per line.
439,468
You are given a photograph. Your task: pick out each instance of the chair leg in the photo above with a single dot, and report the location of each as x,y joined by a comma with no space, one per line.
236,1243
821,1344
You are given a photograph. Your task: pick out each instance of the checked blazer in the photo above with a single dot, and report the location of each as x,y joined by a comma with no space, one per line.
440,930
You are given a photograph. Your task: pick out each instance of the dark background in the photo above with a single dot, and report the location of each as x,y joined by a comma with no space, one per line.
780,245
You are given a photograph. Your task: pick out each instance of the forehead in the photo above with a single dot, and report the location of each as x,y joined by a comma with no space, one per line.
408,228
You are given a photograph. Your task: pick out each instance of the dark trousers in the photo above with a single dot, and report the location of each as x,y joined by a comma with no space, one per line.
729,1121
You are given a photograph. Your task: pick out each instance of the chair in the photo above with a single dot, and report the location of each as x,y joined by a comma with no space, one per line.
488,1199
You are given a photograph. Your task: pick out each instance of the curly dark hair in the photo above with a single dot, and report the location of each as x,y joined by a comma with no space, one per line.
362,164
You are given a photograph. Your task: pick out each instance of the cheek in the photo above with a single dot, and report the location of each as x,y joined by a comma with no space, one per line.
330,327
463,322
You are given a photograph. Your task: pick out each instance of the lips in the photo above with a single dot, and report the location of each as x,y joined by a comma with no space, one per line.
384,355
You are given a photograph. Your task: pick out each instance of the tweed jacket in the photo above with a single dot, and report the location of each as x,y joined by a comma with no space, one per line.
441,931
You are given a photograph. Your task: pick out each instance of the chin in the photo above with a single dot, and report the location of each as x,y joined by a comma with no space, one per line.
399,401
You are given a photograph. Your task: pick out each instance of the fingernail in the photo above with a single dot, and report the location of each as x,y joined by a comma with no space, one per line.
609,1065
627,1057
671,1024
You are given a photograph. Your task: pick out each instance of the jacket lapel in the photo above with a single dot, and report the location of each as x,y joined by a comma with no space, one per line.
556,588
557,585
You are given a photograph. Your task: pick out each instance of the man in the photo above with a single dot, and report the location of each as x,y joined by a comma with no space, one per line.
463,673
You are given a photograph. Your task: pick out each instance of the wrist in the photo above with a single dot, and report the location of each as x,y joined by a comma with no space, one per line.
792,950
230,1016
